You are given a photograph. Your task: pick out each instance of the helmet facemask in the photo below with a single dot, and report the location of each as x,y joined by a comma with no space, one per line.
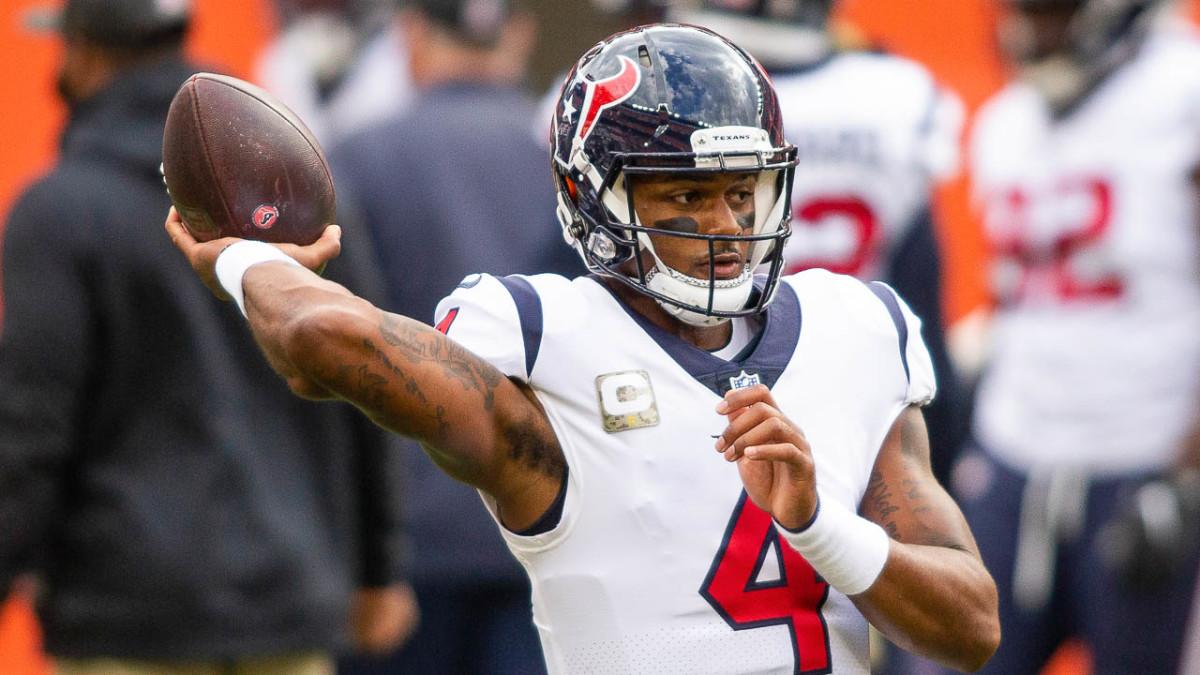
620,245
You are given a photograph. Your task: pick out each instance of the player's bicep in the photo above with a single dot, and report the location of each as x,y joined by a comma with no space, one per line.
903,496
411,379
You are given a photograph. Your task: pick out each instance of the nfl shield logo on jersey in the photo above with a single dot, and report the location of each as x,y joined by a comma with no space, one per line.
626,401
742,380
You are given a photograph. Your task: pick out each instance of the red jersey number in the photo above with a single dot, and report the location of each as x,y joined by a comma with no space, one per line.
1043,242
848,220
794,600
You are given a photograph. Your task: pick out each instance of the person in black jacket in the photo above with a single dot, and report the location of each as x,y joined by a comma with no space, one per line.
178,504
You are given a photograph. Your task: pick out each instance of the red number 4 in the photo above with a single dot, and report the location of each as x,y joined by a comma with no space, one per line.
794,600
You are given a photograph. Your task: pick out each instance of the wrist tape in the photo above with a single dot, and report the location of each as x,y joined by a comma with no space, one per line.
847,550
233,262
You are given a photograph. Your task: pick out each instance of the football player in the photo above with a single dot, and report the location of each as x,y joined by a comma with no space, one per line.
874,133
1086,172
702,470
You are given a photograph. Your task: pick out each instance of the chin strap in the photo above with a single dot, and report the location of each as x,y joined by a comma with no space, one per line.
728,295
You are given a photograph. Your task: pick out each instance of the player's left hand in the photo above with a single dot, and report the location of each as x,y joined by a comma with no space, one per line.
773,456
203,255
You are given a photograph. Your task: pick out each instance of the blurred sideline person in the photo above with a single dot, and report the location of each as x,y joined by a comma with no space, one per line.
676,449
455,185
1190,662
182,509
341,65
621,15
1085,493
874,134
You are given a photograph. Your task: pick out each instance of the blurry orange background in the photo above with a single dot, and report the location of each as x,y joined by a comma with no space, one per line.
952,37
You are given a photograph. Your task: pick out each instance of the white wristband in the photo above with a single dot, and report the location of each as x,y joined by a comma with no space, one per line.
233,262
847,550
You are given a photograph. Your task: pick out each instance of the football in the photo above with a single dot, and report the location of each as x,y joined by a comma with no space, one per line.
239,163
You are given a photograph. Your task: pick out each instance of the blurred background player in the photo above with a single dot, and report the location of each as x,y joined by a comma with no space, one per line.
184,510
449,187
341,65
617,15
1087,169
875,134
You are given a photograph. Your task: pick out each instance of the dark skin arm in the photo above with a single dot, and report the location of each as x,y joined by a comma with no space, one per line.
934,596
478,426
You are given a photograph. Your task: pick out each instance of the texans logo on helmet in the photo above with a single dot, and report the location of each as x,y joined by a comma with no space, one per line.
265,216
606,93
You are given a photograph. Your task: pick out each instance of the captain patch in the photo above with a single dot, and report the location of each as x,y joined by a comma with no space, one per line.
626,401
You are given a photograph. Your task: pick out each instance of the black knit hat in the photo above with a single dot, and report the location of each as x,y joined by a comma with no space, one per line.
117,23
476,21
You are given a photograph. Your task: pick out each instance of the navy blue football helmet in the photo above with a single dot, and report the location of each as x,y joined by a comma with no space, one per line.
665,99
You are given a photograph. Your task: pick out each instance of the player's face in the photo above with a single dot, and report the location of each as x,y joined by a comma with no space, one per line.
700,203
70,80
1045,27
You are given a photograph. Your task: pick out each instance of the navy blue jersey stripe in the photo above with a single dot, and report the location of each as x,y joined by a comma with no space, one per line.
529,309
888,297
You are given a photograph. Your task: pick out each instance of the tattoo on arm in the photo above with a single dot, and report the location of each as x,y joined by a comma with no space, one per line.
419,344
530,445
379,382
907,510
528,438
880,498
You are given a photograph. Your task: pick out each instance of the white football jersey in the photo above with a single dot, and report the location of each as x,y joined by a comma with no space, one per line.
1096,349
873,132
659,564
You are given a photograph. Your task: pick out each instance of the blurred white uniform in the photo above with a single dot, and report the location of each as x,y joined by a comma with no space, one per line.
659,564
375,85
1097,341
874,133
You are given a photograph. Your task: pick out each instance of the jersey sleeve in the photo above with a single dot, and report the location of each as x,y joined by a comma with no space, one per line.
940,145
482,315
1192,114
987,137
922,381
914,355
1185,59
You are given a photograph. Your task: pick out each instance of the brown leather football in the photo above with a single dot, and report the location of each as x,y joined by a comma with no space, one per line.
238,163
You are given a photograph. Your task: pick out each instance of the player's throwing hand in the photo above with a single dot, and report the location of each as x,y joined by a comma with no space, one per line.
773,456
203,255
